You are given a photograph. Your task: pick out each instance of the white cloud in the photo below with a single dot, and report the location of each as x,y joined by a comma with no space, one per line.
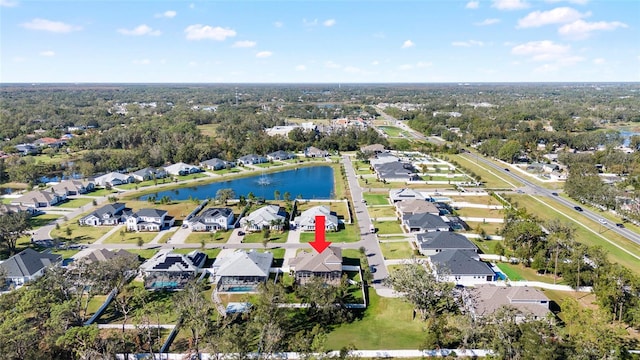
487,22
140,30
375,63
141,62
510,4
169,14
264,54
541,50
424,64
313,22
418,65
192,6
51,26
467,43
581,29
405,67
408,44
200,32
301,68
244,44
47,53
599,61
278,24
472,5
577,2
329,22
331,65
8,3
561,15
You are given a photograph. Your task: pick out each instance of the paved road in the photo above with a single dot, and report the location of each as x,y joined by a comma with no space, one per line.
535,189
369,240
415,134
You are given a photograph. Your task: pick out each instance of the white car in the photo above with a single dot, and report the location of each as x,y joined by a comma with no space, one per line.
603,221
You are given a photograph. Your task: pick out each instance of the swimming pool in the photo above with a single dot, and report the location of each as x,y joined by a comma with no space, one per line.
164,284
241,289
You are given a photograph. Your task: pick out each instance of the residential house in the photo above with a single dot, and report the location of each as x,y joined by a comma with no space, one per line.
27,149
73,187
416,206
242,271
326,265
50,142
425,223
461,267
149,220
374,149
213,219
271,216
313,152
99,255
39,198
307,219
110,214
149,173
434,242
396,172
168,270
216,164
396,195
113,179
383,158
27,266
181,169
485,299
280,155
9,208
252,159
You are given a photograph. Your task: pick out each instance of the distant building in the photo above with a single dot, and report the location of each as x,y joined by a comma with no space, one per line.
313,152
181,169
113,179
216,164
108,215
252,159
39,198
149,173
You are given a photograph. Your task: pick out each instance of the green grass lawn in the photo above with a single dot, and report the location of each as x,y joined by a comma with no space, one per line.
386,324
102,192
85,234
143,253
377,212
511,271
227,171
349,234
480,213
397,250
42,220
169,316
387,227
487,246
208,237
583,235
258,237
489,228
488,175
517,272
268,164
130,237
66,254
392,131
75,203
376,199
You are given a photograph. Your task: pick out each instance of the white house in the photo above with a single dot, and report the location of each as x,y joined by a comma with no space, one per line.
461,267
252,159
27,265
181,169
113,179
111,214
39,198
149,220
213,219
271,216
307,219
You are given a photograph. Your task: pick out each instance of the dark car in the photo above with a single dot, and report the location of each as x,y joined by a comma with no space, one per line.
620,225
577,208
240,233
554,193
505,169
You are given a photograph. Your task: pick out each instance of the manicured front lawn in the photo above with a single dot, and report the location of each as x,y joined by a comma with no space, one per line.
66,254
86,234
349,234
42,220
386,324
102,192
376,199
387,227
397,250
130,237
208,237
392,131
75,203
258,237
227,171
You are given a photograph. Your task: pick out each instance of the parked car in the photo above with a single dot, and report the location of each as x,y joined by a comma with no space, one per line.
577,208
241,233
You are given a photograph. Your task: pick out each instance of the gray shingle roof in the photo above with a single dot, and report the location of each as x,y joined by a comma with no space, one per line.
444,240
28,262
151,212
243,263
425,221
326,261
460,262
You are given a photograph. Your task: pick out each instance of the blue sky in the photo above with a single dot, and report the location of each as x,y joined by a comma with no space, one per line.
319,41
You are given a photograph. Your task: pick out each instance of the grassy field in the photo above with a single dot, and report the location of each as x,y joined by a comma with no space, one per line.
340,208
75,203
392,131
489,228
396,250
208,237
208,129
258,237
42,220
480,213
66,254
84,234
387,227
583,235
386,211
488,175
376,199
383,317
349,234
487,246
169,316
143,253
102,192
517,272
130,237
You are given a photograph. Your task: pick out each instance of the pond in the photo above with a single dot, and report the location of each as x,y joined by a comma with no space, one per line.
315,182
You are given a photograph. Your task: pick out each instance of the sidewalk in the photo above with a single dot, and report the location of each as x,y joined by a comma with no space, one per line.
289,253
108,234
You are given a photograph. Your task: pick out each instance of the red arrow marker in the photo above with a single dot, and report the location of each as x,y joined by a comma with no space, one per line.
320,244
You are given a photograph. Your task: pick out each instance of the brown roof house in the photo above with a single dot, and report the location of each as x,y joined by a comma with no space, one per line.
326,265
484,300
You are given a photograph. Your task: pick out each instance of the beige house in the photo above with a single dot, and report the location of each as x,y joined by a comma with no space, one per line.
326,265
484,300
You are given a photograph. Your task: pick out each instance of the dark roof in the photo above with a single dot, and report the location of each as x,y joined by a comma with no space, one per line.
395,169
214,213
444,240
214,162
151,212
279,153
28,262
111,209
461,262
425,221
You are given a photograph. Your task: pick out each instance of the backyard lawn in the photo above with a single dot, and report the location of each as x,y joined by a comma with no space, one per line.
376,199
383,317
382,211
517,272
350,233
75,203
397,250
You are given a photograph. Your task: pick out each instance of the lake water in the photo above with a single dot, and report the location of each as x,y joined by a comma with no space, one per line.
626,135
314,182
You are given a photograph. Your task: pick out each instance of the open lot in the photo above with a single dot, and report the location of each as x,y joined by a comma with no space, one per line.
397,250
349,234
80,234
75,203
387,227
130,237
488,175
382,211
208,237
376,199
